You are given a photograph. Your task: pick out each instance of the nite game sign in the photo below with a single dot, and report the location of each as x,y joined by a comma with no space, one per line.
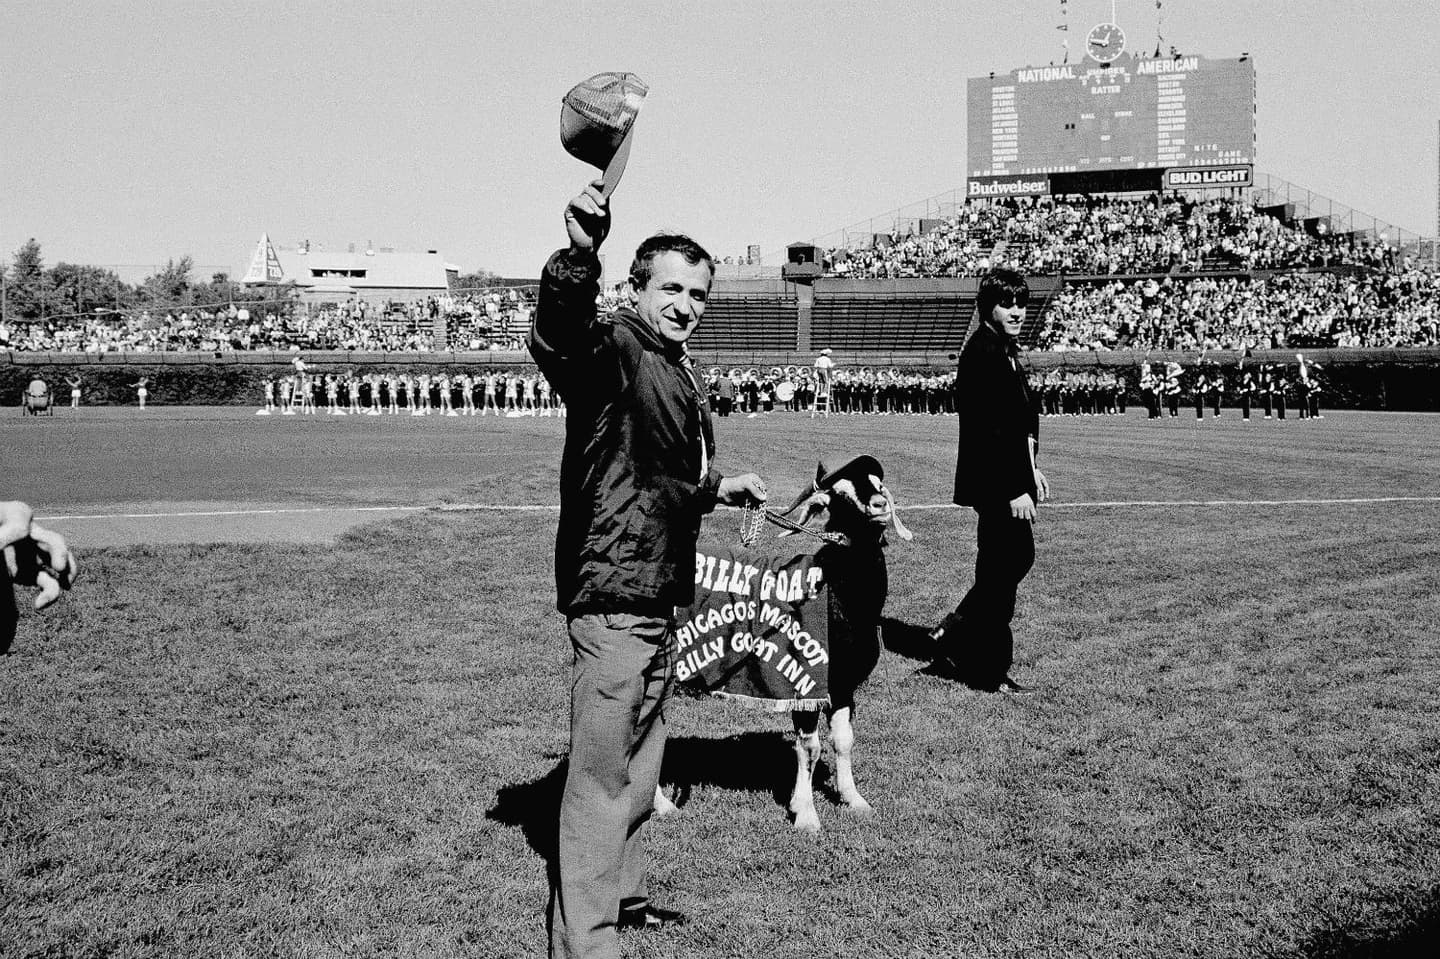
758,629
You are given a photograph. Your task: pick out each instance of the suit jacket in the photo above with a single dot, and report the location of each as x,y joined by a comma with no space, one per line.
997,420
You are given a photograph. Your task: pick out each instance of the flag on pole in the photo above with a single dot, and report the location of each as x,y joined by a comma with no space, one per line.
1065,29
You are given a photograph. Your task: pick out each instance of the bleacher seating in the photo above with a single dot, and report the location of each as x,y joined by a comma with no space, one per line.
889,321
749,321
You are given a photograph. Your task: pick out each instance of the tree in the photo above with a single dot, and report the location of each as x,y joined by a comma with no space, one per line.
27,286
171,286
218,292
83,289
473,281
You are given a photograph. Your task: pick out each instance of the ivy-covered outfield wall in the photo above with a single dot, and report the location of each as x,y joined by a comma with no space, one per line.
1353,379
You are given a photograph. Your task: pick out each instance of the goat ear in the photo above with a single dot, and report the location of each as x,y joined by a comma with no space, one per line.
815,504
818,504
901,529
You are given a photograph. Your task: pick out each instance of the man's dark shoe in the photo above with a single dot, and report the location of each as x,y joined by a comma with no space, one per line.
646,916
1008,687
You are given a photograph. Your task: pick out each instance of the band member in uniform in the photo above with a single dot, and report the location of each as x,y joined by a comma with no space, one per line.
726,394
1308,386
1217,389
1171,387
1248,388
1150,391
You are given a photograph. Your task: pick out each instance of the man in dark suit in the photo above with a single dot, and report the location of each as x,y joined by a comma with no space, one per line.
995,474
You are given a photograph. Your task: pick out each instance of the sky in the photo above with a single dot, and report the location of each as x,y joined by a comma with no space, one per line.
135,133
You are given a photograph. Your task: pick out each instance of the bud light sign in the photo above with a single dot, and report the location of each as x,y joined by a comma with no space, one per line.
1208,177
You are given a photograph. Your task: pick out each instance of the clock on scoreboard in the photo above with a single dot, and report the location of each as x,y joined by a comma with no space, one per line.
1105,43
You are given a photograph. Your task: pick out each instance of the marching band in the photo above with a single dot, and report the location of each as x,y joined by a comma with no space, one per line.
1269,387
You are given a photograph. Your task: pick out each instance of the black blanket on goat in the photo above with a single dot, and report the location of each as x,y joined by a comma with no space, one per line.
788,624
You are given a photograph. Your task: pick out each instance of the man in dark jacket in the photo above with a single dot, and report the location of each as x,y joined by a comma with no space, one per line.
635,480
995,474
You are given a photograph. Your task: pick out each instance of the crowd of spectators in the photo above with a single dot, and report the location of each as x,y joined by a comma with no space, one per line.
488,319
1158,272
476,320
1278,310
1102,236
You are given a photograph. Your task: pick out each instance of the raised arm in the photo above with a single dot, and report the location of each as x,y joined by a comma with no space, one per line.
561,331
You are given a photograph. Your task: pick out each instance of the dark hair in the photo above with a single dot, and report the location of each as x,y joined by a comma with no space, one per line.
654,246
1001,287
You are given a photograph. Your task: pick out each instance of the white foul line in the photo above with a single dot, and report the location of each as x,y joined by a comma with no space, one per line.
501,508
467,507
1099,504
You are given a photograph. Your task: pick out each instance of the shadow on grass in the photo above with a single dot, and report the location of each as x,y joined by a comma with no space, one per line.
535,808
914,642
749,762
746,762
1414,932
907,639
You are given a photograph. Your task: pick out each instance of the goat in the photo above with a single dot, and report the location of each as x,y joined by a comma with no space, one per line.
859,507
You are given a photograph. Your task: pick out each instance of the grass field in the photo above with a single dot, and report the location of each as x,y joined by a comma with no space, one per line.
354,747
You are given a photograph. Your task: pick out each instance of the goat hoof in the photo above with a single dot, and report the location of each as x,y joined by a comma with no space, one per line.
663,806
807,822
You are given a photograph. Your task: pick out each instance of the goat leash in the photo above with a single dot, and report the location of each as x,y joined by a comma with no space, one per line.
752,519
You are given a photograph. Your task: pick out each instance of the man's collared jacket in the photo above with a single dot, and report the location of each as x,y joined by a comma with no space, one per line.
635,476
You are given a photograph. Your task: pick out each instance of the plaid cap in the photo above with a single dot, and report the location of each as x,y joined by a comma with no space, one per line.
597,122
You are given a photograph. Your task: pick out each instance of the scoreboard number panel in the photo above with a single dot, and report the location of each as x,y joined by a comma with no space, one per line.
1123,114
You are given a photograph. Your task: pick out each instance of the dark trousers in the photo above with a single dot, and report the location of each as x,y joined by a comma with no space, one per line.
977,634
623,673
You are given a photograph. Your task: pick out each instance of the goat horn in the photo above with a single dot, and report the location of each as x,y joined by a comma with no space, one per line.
805,494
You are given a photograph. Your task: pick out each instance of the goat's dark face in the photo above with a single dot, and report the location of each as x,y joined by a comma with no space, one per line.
858,508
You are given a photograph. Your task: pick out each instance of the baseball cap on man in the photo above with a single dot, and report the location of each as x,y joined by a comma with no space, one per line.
597,122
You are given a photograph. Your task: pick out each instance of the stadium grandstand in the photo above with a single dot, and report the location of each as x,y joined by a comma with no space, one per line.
1109,273
1141,226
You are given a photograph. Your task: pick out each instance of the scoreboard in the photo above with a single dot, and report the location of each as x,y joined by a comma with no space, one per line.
1134,113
